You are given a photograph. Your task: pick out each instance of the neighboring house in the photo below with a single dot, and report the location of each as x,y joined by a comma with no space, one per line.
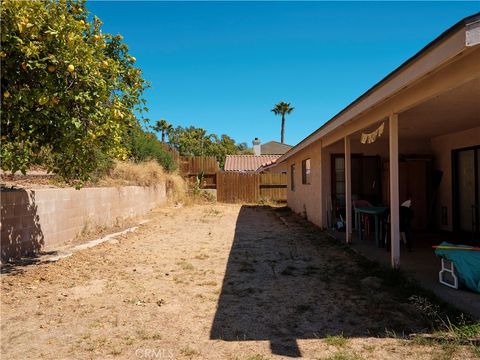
248,163
414,135
270,148
265,157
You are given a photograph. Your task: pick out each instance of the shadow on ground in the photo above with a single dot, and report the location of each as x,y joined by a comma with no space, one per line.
289,281
21,233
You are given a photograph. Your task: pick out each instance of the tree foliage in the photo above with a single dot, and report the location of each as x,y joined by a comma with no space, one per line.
196,141
69,91
163,127
282,108
145,146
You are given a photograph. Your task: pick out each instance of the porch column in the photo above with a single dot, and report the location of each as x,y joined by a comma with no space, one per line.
394,189
348,191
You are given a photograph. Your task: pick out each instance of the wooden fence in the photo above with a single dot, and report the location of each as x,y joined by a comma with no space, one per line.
273,186
192,166
251,188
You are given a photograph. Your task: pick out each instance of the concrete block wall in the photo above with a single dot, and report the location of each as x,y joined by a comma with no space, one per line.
42,219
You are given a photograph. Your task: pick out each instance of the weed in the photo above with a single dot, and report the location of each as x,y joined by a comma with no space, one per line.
96,324
446,352
369,348
208,283
129,340
342,355
186,266
213,212
177,280
475,350
188,351
156,336
256,357
143,334
337,340
116,351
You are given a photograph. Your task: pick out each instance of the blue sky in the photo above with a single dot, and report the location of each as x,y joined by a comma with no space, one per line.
223,65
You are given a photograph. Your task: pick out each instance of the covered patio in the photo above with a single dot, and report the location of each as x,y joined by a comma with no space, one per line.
414,136
428,154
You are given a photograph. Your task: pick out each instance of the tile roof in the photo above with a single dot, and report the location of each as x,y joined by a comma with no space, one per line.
248,163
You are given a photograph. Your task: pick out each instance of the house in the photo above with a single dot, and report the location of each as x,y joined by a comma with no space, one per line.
415,135
265,156
269,148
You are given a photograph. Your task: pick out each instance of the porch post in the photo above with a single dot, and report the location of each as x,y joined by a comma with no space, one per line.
348,191
394,189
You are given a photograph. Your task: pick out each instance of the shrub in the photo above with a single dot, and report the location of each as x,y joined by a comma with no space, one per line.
145,146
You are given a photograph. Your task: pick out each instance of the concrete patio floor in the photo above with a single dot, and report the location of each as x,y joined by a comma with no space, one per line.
423,266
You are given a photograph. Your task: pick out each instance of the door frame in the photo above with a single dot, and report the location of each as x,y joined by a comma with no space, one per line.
455,189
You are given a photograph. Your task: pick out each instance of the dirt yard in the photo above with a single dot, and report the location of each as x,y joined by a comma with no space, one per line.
212,282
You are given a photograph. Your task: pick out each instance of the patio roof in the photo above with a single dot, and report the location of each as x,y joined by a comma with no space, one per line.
449,45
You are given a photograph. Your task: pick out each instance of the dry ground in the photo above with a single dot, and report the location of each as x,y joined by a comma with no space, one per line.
211,282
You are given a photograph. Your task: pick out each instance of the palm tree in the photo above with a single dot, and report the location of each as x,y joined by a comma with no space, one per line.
162,126
282,108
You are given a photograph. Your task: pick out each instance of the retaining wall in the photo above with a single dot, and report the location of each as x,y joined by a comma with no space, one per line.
42,219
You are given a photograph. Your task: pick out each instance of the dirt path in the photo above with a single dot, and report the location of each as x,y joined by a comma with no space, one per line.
210,282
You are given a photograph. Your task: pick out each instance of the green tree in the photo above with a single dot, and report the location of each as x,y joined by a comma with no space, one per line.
163,127
69,91
146,146
192,141
282,108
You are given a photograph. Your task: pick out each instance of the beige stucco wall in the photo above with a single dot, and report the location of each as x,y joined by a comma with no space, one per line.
42,219
442,147
314,200
306,198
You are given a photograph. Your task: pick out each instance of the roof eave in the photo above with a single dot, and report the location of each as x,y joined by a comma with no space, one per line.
467,30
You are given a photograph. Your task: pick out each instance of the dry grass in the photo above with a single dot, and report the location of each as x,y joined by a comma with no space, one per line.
148,173
124,173
177,188
115,298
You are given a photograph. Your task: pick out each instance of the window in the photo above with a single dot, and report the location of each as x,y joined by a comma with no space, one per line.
306,171
292,177
339,179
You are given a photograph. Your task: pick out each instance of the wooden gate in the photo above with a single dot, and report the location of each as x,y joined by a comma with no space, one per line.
251,188
192,166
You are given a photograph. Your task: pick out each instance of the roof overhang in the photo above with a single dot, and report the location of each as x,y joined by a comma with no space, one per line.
451,43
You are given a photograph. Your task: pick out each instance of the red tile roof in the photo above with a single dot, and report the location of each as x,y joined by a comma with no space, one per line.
248,163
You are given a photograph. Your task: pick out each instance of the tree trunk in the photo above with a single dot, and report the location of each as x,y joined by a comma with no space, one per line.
283,129
163,136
